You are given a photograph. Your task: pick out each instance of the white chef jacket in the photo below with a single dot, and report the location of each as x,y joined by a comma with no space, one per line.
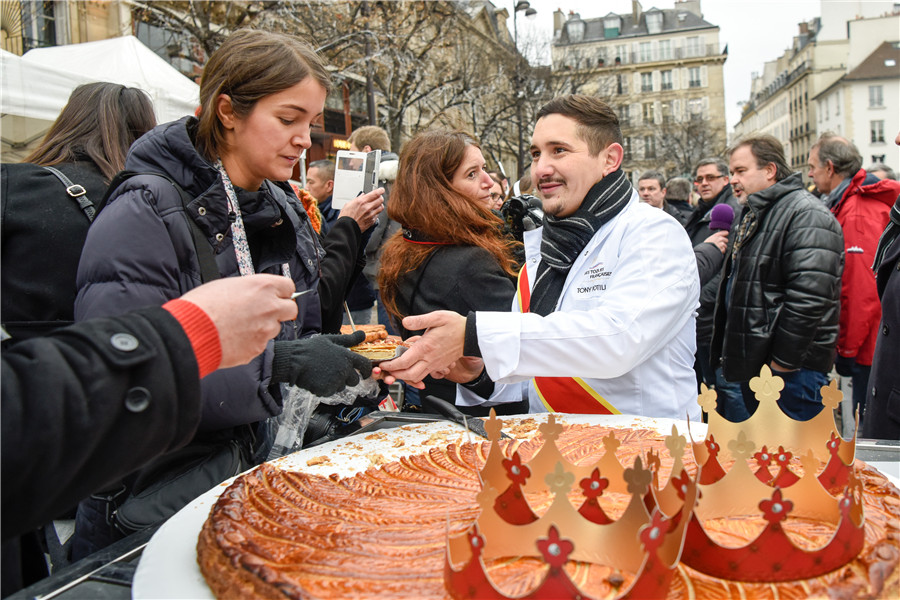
624,323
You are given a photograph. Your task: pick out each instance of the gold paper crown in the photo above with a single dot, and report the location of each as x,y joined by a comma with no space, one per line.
770,436
645,540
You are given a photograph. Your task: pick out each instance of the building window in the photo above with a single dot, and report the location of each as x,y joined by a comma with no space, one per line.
611,26
626,145
621,85
695,107
644,52
692,47
648,112
877,131
623,115
622,54
837,104
654,22
38,24
665,50
878,158
876,96
646,82
666,80
649,146
694,77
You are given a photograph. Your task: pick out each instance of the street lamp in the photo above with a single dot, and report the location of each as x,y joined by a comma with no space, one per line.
530,13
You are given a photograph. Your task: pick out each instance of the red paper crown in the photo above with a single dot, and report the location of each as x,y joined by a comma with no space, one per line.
645,540
831,495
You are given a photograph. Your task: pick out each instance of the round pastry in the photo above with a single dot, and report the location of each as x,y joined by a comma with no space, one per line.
382,533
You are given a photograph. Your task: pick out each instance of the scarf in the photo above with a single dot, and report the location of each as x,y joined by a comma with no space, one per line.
891,232
562,240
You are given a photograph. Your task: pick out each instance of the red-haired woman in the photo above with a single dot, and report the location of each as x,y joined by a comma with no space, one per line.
451,253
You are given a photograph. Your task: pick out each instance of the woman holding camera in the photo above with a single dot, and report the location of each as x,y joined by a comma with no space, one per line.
210,200
451,253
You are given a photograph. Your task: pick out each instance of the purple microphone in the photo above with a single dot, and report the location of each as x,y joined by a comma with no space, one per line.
720,217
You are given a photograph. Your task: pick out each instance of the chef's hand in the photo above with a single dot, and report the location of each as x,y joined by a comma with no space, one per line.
464,370
364,209
439,347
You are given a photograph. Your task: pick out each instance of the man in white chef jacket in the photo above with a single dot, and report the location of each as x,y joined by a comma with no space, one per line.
603,321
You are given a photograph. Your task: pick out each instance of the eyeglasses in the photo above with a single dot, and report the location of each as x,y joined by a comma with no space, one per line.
495,196
708,178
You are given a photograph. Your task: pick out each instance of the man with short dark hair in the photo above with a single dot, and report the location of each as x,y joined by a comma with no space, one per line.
603,321
778,301
320,183
861,203
652,188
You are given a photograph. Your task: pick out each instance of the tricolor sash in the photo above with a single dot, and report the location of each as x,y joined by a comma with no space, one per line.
563,394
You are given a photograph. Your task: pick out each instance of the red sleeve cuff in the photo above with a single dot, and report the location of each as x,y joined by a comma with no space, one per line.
201,332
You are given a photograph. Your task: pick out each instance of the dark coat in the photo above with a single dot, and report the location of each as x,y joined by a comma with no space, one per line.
79,413
43,231
342,268
883,399
697,227
680,209
359,294
139,252
784,295
457,278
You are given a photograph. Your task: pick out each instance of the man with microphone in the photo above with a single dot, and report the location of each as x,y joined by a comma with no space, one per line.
603,321
716,200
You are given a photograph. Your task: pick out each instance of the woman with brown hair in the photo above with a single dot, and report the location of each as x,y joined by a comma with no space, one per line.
451,253
44,224
260,94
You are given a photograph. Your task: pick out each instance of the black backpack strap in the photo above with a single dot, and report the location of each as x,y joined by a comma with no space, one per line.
77,192
209,270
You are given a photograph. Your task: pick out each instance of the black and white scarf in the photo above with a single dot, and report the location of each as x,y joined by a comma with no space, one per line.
564,239
891,232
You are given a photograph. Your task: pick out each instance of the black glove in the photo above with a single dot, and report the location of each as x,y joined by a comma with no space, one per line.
321,364
844,365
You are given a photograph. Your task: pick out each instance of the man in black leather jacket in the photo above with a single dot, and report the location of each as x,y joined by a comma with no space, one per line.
779,298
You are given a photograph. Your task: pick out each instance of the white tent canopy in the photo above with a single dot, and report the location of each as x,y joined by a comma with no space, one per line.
37,85
127,61
31,97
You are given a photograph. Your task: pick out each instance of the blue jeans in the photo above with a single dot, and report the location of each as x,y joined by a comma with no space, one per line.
801,398
860,387
729,400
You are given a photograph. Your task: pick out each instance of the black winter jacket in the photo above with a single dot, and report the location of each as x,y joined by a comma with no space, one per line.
457,278
43,231
784,299
139,252
697,227
883,399
78,413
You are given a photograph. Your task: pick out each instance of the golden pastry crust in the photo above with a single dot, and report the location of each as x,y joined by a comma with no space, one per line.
382,533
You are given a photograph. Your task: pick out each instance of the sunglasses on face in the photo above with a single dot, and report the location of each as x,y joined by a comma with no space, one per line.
708,178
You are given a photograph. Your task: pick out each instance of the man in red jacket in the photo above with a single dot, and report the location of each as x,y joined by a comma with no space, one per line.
861,204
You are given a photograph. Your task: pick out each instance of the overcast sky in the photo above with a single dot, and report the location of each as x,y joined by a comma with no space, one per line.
756,31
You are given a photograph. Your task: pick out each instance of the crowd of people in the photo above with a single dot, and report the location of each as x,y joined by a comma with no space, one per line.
163,285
